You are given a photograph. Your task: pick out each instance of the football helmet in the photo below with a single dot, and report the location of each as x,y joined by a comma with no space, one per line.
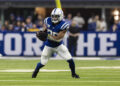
57,15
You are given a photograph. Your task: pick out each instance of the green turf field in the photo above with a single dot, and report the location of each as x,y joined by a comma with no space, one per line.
90,76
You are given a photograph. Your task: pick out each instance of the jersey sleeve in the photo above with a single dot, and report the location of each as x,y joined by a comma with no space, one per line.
65,26
46,21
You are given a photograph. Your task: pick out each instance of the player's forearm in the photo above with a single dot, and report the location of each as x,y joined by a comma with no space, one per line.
70,34
44,28
56,37
59,36
77,34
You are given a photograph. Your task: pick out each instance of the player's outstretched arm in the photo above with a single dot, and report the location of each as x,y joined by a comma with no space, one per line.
60,35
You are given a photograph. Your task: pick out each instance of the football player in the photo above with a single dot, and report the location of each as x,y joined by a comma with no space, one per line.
56,28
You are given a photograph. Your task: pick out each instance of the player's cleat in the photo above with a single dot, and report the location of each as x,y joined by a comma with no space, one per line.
75,76
34,75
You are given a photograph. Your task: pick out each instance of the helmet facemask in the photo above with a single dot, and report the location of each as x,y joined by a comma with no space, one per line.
55,18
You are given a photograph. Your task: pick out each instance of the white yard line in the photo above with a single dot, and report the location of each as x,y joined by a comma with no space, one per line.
52,81
100,67
31,70
46,70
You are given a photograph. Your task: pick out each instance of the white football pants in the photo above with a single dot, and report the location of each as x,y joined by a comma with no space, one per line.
60,50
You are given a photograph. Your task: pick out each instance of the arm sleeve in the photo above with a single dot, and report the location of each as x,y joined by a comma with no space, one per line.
45,21
65,26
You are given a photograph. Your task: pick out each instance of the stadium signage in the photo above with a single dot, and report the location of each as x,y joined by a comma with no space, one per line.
89,44
97,44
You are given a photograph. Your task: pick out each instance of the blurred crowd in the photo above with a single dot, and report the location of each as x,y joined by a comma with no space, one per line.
94,23
18,23
32,24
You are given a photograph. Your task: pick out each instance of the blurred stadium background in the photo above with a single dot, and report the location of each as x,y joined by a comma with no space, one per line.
93,40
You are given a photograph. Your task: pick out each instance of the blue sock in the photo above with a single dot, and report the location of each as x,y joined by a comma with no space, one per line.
72,66
39,65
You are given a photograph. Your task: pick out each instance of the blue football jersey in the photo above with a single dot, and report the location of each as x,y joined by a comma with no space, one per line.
54,30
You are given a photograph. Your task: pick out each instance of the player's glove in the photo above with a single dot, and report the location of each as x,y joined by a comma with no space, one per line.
42,35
